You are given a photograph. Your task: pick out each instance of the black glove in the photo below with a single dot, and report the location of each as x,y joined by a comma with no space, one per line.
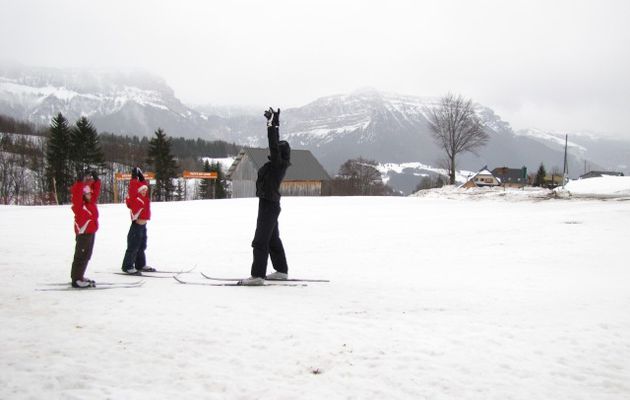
135,171
268,114
82,174
276,117
94,175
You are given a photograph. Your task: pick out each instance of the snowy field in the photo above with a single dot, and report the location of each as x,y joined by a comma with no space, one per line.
430,298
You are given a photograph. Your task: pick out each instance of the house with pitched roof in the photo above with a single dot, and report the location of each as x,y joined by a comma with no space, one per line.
483,178
511,177
597,174
305,176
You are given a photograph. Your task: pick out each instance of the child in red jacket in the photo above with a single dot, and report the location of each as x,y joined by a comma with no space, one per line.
85,193
139,204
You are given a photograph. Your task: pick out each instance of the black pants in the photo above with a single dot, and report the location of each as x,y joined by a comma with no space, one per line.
267,240
136,245
82,254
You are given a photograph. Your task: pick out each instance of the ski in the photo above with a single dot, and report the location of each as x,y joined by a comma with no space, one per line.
97,287
170,272
135,283
233,283
142,274
148,274
268,280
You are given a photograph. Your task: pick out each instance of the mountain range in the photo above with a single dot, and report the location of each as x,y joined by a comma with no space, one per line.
385,127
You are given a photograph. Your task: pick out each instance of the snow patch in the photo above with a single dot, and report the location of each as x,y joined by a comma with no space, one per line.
604,186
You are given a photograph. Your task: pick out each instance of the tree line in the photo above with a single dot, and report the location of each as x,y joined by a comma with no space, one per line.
38,165
455,128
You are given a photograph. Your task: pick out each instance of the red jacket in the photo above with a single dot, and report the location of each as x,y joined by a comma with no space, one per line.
85,212
138,201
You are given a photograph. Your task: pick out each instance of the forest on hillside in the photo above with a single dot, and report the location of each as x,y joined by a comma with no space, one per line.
26,177
38,165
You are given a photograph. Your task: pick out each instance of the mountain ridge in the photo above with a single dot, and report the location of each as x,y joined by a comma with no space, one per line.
386,127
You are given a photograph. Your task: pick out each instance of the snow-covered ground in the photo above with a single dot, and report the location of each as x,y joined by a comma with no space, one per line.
605,187
430,298
602,187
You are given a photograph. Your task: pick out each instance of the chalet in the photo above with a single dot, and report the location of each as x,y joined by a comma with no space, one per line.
305,176
597,174
511,177
553,181
482,178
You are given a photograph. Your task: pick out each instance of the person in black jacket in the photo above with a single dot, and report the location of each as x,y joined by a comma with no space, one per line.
267,241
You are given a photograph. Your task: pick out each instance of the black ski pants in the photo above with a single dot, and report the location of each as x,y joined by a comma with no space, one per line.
136,245
267,241
82,254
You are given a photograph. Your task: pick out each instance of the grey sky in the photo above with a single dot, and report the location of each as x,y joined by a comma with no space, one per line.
553,64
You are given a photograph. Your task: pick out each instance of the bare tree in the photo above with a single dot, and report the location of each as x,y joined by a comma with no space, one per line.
359,177
38,168
7,168
21,185
456,128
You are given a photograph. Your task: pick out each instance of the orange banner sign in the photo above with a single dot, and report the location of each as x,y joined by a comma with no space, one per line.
200,175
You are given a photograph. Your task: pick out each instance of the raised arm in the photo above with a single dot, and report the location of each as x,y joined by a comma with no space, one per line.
273,134
96,186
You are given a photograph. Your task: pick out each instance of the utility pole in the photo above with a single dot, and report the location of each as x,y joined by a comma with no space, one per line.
565,170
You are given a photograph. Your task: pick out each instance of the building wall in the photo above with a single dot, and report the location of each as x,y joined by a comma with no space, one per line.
244,179
242,189
301,188
487,180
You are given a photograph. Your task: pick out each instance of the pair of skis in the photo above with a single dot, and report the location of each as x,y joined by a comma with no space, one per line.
50,287
174,275
236,281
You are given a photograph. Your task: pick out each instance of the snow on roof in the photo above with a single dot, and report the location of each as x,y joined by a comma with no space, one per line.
484,172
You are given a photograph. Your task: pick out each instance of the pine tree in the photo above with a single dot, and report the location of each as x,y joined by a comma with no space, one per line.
540,176
85,148
58,168
219,183
164,165
205,190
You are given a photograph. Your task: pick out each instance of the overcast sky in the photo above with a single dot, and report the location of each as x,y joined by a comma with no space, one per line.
551,64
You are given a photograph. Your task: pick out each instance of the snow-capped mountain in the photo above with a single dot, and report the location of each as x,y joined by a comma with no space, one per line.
393,128
386,127
126,102
390,127
591,150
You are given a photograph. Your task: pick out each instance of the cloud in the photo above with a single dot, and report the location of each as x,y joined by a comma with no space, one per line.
538,63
